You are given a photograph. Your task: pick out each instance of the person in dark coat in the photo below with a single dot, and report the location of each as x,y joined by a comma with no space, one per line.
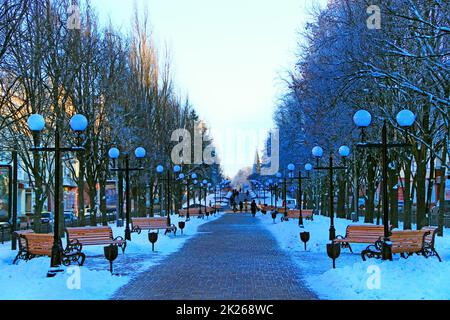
241,206
253,208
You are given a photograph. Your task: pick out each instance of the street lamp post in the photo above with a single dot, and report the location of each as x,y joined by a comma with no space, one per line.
160,169
278,176
318,153
36,124
114,154
271,188
363,119
291,168
206,185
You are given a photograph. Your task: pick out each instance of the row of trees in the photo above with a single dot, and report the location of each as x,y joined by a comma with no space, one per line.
346,64
56,60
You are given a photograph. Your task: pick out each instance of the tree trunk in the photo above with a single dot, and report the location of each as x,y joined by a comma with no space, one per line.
341,197
103,208
407,200
420,194
152,198
80,190
430,185
60,189
393,197
370,202
141,202
120,194
93,211
443,176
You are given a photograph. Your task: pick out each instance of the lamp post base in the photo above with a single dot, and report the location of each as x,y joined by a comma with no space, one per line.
386,250
127,234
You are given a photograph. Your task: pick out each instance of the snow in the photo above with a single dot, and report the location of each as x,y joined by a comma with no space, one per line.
27,280
412,278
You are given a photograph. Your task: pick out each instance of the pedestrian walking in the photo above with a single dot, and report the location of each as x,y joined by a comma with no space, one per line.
253,208
246,205
241,206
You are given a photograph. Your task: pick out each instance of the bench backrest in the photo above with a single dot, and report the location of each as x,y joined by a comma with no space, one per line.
192,211
149,222
83,234
370,233
38,243
408,240
295,213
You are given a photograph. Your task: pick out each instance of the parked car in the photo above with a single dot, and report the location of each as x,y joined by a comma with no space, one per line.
46,217
69,217
291,203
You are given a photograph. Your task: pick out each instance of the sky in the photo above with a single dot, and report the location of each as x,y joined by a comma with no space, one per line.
229,57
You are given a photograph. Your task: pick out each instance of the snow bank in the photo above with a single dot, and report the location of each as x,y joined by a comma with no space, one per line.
28,280
412,278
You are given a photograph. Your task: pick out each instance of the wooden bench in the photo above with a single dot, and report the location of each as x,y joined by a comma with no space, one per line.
295,214
281,210
193,212
404,242
264,209
360,233
33,245
152,223
93,236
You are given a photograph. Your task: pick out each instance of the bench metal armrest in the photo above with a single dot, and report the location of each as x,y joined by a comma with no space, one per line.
73,245
118,238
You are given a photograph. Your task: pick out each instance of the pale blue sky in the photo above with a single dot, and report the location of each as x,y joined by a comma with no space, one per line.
228,56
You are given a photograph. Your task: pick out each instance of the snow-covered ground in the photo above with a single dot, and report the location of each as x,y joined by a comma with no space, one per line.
28,280
412,278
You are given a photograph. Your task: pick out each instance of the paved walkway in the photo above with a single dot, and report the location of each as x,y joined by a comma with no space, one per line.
231,258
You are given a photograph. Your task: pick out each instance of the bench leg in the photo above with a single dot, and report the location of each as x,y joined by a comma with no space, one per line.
22,254
437,255
123,246
347,245
430,251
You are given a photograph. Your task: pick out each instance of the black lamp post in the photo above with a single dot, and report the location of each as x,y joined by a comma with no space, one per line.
318,153
291,168
271,189
363,119
167,180
205,186
278,175
190,179
36,124
114,154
